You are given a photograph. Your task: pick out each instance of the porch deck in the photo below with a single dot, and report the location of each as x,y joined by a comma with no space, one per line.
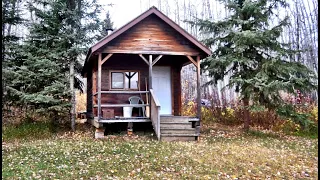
122,119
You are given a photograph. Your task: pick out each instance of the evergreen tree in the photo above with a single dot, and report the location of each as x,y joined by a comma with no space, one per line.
11,17
245,43
60,36
106,25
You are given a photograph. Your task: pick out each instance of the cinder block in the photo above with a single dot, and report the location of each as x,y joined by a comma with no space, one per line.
99,134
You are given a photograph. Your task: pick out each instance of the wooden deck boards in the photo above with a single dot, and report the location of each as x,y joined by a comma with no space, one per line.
123,119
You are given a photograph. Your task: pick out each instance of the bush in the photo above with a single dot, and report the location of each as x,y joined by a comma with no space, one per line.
81,100
302,121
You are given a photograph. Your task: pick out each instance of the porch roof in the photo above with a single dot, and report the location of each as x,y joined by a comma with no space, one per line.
153,10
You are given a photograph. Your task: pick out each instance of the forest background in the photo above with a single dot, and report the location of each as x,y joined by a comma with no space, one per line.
29,26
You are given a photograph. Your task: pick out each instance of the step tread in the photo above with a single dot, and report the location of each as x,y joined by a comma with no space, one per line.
178,128
177,132
179,118
179,135
175,122
175,138
176,116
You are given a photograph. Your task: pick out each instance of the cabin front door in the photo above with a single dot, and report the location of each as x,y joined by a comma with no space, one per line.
161,84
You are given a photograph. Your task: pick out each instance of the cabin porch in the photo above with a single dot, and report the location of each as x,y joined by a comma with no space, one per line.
109,104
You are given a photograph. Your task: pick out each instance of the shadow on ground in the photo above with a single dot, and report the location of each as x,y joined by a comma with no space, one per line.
142,128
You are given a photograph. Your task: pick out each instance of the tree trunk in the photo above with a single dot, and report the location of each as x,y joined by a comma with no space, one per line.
73,102
246,114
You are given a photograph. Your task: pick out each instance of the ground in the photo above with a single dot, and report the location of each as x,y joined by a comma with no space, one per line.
221,153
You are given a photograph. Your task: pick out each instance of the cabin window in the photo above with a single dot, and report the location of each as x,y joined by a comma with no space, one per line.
125,80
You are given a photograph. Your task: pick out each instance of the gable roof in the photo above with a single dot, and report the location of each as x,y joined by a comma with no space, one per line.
153,10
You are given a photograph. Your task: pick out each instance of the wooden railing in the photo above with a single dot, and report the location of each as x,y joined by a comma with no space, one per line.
99,105
121,92
155,113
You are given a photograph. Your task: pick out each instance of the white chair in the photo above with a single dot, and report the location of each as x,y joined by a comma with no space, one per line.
135,100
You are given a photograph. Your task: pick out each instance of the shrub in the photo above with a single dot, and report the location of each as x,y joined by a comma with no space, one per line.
300,120
81,100
189,109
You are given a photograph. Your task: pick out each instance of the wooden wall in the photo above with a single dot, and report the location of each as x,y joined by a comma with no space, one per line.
154,35
89,94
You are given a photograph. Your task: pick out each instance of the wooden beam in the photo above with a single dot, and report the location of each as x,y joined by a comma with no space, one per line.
150,71
106,58
115,51
124,120
99,84
122,105
192,60
198,92
121,119
122,92
145,60
186,63
156,60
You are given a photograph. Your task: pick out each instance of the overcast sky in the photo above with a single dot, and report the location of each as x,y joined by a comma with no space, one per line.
124,11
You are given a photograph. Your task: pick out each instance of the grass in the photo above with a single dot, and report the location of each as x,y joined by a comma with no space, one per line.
221,153
26,131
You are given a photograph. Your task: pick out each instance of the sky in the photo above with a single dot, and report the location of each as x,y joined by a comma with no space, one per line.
123,11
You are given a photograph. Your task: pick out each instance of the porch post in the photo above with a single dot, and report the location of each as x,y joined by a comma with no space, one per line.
150,71
99,85
150,82
198,91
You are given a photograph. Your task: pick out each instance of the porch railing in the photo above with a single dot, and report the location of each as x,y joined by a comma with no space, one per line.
99,105
155,113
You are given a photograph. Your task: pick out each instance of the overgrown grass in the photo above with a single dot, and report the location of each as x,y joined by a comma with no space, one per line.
260,134
221,153
264,119
313,134
27,131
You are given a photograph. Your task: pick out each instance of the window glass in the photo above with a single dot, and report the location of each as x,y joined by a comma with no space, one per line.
131,80
125,80
117,80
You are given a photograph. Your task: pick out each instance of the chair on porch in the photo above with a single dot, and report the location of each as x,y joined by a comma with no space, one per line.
135,100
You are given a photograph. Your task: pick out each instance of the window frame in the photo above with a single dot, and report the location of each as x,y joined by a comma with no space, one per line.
124,76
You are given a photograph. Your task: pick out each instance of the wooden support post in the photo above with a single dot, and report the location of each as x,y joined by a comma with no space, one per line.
192,60
198,91
150,80
130,128
106,58
156,60
144,59
150,71
99,85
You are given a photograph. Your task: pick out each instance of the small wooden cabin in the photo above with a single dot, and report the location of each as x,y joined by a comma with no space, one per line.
143,59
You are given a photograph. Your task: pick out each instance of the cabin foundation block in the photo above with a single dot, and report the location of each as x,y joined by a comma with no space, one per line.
129,129
99,134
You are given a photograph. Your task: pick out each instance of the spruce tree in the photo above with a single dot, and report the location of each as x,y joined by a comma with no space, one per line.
11,17
107,24
246,44
60,36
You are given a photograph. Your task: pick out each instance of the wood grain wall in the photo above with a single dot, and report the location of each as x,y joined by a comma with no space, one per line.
154,35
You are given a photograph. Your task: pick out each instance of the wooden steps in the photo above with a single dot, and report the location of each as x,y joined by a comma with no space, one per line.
175,125
177,128
177,131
